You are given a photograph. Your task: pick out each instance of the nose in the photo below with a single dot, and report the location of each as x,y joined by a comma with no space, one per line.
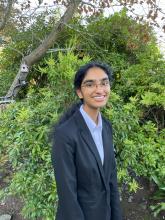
99,88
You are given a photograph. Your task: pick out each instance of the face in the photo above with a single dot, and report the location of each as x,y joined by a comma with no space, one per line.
94,89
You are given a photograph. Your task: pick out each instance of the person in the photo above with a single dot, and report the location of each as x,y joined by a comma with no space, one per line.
82,152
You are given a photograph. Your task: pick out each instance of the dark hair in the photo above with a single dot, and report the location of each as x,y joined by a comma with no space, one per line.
79,76
81,73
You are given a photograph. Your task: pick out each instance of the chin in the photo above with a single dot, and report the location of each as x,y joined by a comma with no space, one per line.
99,105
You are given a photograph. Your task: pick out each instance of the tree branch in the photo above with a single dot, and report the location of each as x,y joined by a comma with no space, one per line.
41,50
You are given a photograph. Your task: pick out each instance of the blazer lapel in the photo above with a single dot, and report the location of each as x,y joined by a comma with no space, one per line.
86,135
106,144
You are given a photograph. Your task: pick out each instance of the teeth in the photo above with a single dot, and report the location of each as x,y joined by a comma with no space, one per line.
99,97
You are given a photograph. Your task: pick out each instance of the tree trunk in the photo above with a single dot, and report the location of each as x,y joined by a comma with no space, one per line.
40,51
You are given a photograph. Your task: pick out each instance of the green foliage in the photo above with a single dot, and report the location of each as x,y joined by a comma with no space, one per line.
60,76
22,42
136,105
159,196
24,136
141,148
117,39
146,82
158,208
156,96
6,77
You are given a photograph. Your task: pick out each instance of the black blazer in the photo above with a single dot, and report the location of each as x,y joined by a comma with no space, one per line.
87,190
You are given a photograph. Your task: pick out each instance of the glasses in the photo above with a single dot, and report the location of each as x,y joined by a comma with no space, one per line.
92,84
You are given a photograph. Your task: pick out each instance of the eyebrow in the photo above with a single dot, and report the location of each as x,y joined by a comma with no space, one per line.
92,80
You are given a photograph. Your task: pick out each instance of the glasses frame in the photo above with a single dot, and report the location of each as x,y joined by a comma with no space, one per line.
92,84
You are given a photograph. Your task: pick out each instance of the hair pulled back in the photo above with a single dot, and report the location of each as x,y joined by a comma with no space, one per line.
81,73
79,76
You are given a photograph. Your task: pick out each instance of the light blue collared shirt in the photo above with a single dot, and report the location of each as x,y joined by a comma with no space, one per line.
96,131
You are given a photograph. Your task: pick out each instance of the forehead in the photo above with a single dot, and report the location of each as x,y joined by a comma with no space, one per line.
95,73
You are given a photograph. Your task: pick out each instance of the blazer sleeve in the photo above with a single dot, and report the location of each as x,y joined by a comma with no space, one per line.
116,213
65,175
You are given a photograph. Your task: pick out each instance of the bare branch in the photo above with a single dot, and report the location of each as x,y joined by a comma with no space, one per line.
71,7
39,52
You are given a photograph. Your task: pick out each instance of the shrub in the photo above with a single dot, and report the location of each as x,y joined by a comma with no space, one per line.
24,137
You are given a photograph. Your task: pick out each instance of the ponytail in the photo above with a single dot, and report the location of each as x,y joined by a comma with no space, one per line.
64,117
69,112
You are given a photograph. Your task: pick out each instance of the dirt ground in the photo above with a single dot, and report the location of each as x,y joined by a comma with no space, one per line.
134,206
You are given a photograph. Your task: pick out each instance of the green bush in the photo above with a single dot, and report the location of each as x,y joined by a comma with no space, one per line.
136,109
26,125
141,148
24,135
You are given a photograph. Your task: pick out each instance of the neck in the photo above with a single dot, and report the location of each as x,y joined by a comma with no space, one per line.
92,112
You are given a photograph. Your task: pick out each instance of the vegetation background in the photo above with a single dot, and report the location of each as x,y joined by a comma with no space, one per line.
136,105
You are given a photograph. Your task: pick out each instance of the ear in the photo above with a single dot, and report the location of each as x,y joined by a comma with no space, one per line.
79,93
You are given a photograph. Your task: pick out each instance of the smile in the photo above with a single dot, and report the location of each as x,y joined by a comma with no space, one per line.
99,98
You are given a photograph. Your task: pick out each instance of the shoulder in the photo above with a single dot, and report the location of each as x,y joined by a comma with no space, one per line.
67,129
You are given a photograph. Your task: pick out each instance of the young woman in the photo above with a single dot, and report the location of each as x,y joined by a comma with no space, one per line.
83,154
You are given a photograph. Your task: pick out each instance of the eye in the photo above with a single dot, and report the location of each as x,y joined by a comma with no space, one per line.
105,83
89,84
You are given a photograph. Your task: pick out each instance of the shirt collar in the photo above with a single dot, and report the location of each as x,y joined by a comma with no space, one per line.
90,123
